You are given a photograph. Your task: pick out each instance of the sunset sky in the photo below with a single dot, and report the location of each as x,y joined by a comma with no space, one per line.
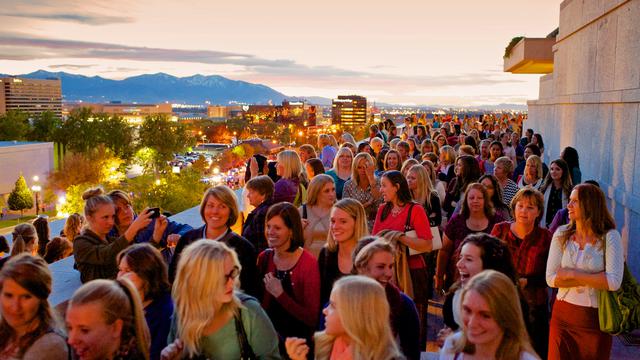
412,52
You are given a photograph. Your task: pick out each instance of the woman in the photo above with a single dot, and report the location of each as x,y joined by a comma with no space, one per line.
414,152
219,211
476,215
57,249
532,173
347,138
407,164
363,146
586,256
570,155
496,151
105,320
260,195
447,164
327,152
381,161
27,326
315,213
400,213
289,187
341,171
73,226
392,161
44,233
478,252
348,225
441,140
313,167
494,191
437,184
351,332
556,188
25,240
94,250
211,316
291,295
374,257
467,171
423,193
493,324
529,244
537,140
143,265
428,146
502,170
364,186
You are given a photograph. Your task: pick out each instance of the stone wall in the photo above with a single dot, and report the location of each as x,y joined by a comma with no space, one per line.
592,102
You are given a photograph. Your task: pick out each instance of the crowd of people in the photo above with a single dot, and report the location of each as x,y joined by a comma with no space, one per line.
342,245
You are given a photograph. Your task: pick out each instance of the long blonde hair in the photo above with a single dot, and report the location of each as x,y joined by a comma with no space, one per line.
357,298
355,176
355,209
119,300
315,187
200,279
336,159
292,164
424,189
502,297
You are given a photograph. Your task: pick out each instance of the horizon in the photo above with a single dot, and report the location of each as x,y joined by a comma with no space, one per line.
406,53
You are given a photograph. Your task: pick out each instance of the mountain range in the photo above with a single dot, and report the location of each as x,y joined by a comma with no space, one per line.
195,89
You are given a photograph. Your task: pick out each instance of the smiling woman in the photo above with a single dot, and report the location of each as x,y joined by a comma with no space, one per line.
27,327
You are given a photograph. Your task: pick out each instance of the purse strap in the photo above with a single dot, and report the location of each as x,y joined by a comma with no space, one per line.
407,224
246,352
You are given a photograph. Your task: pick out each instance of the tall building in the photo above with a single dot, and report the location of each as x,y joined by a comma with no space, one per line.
349,110
32,96
133,113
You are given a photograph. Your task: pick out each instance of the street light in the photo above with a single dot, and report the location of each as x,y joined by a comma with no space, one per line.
36,189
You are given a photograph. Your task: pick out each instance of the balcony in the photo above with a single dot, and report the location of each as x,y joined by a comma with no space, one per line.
531,56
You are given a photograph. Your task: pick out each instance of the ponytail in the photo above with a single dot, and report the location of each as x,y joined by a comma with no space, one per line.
18,245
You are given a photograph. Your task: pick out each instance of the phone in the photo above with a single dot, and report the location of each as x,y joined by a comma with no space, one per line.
155,212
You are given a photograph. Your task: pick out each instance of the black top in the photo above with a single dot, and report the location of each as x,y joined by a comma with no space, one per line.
329,272
246,255
253,228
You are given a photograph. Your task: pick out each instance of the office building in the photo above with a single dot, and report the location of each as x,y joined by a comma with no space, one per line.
349,111
32,96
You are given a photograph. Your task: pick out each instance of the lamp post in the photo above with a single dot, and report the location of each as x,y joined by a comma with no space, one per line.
36,189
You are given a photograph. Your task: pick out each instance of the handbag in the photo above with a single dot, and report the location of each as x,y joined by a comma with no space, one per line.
619,311
436,239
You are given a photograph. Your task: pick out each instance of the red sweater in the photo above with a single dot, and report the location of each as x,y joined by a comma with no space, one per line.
305,280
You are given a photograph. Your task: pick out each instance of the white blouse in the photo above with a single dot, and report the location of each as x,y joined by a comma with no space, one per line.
589,259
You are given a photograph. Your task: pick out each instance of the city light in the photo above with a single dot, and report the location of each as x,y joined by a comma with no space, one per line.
36,178
158,182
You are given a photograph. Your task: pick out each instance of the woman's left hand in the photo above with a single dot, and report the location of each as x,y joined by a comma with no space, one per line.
566,274
159,227
273,285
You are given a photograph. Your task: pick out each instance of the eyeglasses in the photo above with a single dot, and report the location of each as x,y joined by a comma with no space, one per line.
235,272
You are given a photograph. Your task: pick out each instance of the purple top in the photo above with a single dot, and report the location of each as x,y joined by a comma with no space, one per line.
327,155
285,190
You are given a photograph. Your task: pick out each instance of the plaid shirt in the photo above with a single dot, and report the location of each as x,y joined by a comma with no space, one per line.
529,258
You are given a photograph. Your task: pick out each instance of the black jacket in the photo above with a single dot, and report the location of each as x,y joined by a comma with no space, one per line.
246,254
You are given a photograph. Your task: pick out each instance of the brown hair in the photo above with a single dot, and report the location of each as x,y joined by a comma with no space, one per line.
227,197
596,216
263,185
58,248
31,273
94,198
119,301
531,194
23,235
147,262
291,218
72,226
489,211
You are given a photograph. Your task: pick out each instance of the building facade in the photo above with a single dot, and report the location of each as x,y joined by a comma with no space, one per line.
31,96
349,111
591,101
133,113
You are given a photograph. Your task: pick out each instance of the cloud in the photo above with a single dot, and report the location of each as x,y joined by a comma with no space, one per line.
89,19
25,47
71,66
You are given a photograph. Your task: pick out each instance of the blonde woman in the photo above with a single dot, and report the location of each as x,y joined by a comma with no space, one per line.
364,186
315,213
73,226
327,152
210,312
438,185
532,173
351,330
348,225
289,188
423,193
447,164
105,320
493,326
347,138
428,146
341,171
407,164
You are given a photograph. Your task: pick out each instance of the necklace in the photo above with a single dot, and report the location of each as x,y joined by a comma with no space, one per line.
395,211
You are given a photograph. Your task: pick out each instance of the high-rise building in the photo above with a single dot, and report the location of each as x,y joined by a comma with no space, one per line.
32,96
349,110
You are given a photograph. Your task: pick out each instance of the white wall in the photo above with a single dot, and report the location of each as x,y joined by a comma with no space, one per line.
28,159
592,102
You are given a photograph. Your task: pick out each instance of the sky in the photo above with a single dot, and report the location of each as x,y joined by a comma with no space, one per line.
405,52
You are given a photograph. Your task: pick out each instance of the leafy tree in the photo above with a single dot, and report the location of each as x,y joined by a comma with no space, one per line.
78,133
164,136
200,165
116,134
44,127
73,199
14,125
20,197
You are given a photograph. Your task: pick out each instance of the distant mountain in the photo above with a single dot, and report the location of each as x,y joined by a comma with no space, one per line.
161,87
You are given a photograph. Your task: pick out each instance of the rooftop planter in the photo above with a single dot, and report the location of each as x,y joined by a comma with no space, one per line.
529,55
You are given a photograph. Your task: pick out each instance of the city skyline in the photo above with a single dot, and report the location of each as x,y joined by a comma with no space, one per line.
408,53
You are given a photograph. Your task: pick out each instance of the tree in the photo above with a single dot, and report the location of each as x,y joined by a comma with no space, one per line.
14,125
44,127
116,134
78,133
73,199
164,136
200,165
20,197
96,167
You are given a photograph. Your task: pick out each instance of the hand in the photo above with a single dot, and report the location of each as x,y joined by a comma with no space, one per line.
369,168
297,349
305,223
273,285
172,351
438,283
442,335
565,274
172,240
159,227
141,222
253,167
522,282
